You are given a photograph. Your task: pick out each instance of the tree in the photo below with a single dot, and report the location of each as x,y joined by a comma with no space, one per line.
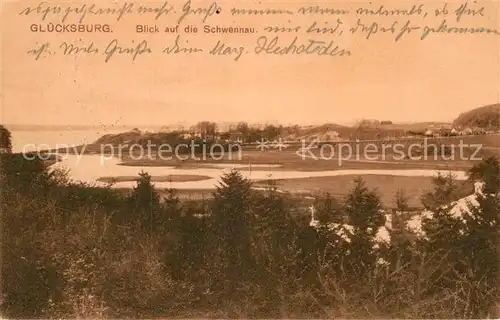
276,245
232,230
275,222
444,192
332,237
244,129
206,128
363,209
400,251
487,171
271,132
184,236
442,229
367,123
5,140
172,205
146,202
401,201
480,254
193,247
469,243
482,236
400,213
18,172
255,134
328,210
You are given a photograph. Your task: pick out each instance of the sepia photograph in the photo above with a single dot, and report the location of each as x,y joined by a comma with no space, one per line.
200,159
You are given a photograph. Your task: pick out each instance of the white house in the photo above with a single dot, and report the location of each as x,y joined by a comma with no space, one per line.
346,231
458,210
467,132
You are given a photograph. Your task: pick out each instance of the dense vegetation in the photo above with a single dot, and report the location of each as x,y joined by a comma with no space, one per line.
71,250
207,134
5,140
487,117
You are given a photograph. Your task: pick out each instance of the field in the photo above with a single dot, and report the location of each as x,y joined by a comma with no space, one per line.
303,189
386,186
314,161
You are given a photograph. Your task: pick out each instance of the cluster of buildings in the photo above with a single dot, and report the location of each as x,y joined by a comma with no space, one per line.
229,134
440,131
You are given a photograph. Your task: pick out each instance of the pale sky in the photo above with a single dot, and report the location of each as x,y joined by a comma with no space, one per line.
413,80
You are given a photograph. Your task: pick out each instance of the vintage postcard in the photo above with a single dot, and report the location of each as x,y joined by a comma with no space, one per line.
250,159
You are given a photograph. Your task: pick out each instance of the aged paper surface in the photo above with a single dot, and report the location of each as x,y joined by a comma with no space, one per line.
237,159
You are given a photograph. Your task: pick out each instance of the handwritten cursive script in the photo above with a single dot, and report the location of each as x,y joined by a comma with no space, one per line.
187,28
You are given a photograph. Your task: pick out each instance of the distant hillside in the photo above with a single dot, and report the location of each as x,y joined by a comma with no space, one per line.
137,136
487,117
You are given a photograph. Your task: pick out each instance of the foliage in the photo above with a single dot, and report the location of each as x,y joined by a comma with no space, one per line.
206,128
232,231
470,243
487,171
328,210
363,208
445,191
487,117
146,202
5,140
